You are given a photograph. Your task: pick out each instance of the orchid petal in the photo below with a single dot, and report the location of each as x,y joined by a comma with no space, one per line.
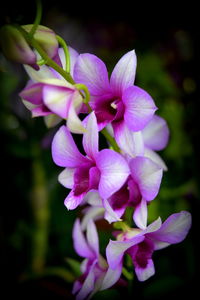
84,263
94,177
38,76
66,177
174,229
114,172
52,120
140,214
145,273
139,108
73,122
158,245
92,237
73,58
90,137
91,71
72,200
76,287
110,214
116,249
57,99
64,150
91,213
128,141
156,134
80,244
123,74
147,175
32,93
93,198
88,285
153,227
155,157
111,277
40,111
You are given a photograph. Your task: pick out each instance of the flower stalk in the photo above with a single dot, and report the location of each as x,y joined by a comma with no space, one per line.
66,51
37,18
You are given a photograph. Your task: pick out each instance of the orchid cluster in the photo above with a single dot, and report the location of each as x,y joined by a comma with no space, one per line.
75,89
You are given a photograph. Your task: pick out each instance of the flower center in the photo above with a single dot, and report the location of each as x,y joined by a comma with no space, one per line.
113,105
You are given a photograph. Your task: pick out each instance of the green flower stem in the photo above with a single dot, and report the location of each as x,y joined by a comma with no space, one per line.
110,139
37,18
127,274
121,225
43,54
66,51
86,99
41,62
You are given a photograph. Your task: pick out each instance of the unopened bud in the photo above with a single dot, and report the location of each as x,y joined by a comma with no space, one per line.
46,38
15,47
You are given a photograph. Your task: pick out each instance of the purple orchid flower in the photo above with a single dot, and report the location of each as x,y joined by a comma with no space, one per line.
140,244
49,94
140,188
105,170
96,275
116,101
154,137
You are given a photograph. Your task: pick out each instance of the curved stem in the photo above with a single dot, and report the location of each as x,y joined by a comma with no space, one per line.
110,139
43,54
84,88
66,52
41,62
37,18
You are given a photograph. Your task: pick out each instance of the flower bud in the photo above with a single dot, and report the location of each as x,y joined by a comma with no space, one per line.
15,47
46,38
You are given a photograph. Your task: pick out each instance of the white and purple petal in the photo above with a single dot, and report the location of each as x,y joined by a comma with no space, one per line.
73,122
66,177
91,137
156,134
40,111
73,200
140,214
114,172
91,213
91,71
57,99
123,74
111,215
147,175
145,273
174,229
88,285
92,237
111,277
64,150
33,93
139,108
153,227
80,244
116,249
155,157
38,76
128,141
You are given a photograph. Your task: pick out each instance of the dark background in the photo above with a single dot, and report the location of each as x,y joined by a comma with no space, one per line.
35,226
